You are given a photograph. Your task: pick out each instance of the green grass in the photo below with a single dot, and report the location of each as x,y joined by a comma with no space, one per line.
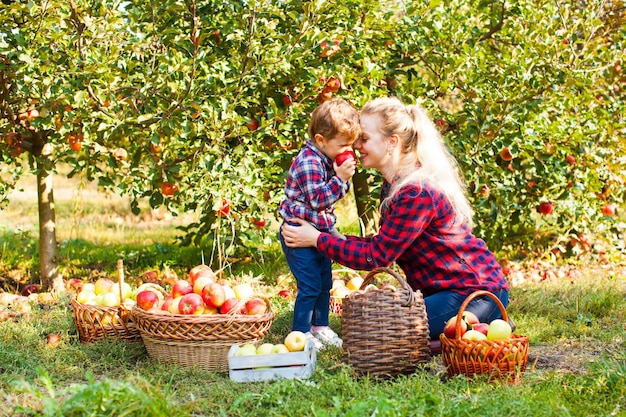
576,364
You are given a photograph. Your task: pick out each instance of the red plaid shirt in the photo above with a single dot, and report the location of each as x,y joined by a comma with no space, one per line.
312,189
419,231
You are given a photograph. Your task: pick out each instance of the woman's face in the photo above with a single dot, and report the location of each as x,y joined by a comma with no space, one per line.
372,145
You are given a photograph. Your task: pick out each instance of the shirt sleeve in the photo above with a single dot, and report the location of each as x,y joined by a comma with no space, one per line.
319,193
408,214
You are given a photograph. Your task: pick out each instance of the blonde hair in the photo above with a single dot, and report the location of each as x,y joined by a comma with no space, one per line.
335,117
423,154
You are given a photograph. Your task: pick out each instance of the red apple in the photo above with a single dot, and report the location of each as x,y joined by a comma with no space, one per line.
285,294
450,329
259,223
200,270
505,154
147,299
75,143
166,303
168,189
470,318
213,294
570,159
481,327
286,100
254,124
545,207
224,210
332,85
324,96
255,306
191,304
344,156
609,209
230,304
30,289
181,287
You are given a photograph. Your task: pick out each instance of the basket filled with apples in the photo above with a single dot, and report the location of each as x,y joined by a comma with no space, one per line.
294,358
102,309
342,287
196,324
472,348
385,329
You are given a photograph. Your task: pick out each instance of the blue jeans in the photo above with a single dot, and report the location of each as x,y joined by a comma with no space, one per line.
313,273
443,305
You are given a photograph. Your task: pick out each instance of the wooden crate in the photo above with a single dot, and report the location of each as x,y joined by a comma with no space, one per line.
271,367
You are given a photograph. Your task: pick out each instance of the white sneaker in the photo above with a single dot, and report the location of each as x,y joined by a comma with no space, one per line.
327,336
316,343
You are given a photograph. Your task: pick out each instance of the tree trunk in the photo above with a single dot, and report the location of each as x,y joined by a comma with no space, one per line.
365,210
48,267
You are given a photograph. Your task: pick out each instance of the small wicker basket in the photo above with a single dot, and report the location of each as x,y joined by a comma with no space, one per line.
200,341
96,322
385,331
503,360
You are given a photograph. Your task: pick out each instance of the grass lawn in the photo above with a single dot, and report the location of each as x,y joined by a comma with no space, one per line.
577,331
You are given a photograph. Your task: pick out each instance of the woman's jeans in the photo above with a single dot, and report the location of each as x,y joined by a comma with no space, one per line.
313,273
443,305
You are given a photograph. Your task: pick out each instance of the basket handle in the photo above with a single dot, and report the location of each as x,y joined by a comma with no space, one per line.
469,298
412,298
123,311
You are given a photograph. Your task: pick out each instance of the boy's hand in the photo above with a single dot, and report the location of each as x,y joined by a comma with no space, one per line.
346,170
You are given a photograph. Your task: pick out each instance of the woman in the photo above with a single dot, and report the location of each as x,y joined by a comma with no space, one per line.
425,218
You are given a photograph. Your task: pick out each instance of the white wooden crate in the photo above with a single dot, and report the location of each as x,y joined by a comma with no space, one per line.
273,366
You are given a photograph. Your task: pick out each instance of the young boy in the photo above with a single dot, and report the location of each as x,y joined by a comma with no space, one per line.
314,184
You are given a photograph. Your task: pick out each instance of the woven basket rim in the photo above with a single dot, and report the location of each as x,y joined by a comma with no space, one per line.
201,318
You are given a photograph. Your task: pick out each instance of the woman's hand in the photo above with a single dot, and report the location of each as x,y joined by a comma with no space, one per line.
302,236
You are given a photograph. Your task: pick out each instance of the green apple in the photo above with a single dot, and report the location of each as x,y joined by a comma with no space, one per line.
246,350
473,335
264,349
499,330
280,348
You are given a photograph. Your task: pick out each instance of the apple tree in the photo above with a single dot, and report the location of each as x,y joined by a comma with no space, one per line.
201,106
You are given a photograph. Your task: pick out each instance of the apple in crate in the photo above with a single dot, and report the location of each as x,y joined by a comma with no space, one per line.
246,350
264,349
181,287
213,294
255,306
147,299
295,341
191,304
280,348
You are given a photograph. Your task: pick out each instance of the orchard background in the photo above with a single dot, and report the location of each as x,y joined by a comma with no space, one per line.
200,107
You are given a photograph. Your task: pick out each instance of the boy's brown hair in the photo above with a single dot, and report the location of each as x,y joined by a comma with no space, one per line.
334,117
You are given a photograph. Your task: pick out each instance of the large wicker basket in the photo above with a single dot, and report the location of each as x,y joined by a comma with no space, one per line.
200,341
97,322
503,360
385,331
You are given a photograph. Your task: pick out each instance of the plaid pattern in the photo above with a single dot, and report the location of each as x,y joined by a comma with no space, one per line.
418,230
312,189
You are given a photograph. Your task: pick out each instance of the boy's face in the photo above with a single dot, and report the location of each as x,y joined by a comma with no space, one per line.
335,145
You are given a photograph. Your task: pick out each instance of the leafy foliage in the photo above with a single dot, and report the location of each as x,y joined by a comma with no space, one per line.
189,104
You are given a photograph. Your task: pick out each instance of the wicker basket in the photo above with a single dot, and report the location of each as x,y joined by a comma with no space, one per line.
200,341
385,332
96,322
503,360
